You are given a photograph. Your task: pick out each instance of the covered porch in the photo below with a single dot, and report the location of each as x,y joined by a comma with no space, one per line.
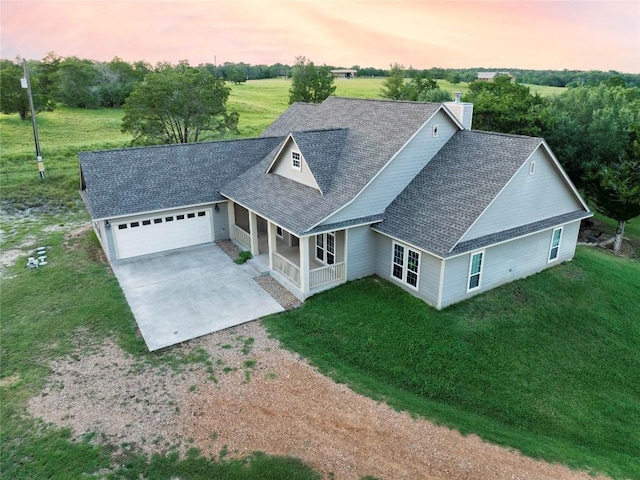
304,265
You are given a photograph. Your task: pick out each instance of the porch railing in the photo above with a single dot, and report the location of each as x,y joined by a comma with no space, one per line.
240,236
287,268
324,275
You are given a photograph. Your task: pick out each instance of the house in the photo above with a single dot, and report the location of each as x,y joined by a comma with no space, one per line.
344,73
346,189
490,76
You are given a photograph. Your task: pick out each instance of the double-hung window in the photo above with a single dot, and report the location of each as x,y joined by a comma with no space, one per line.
326,248
405,265
296,162
475,271
554,250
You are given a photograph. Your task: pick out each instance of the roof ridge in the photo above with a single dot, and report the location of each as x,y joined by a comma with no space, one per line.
175,145
383,100
501,134
328,129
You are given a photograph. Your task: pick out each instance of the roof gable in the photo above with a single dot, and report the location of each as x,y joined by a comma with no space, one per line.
377,130
447,196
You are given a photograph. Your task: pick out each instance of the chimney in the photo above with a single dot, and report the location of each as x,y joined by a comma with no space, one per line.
463,111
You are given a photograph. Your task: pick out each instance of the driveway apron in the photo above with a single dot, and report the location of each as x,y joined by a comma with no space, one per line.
182,294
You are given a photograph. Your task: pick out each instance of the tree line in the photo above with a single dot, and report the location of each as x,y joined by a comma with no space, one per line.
85,83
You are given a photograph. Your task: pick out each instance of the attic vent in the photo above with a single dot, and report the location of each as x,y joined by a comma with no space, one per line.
532,167
295,161
434,131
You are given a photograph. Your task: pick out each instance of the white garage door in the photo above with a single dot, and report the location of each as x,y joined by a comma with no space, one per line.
162,232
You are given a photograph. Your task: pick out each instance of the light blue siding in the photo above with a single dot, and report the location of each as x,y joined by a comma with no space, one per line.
221,222
429,274
282,166
400,171
110,242
507,262
361,252
527,198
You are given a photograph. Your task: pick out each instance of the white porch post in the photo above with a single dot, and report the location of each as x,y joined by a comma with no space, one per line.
304,265
253,232
232,217
271,232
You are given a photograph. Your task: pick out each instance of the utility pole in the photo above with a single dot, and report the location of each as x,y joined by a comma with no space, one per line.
26,83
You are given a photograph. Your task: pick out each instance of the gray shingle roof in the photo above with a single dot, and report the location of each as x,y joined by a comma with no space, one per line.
321,150
377,129
454,188
497,237
133,180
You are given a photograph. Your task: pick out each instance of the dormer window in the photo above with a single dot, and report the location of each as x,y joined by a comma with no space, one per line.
295,161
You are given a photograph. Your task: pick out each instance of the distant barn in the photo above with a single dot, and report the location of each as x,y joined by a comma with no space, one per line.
344,73
490,76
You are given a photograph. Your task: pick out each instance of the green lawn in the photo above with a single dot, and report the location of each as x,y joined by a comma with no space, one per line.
548,365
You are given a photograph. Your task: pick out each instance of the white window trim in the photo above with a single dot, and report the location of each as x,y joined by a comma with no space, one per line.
532,167
473,254
434,130
294,160
551,247
324,259
279,232
405,265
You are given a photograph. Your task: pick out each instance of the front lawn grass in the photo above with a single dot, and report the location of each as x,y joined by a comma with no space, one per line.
549,365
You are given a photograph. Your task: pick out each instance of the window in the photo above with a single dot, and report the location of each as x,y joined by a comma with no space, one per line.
146,222
157,220
475,270
405,265
191,215
279,231
532,167
435,130
295,161
326,248
179,217
122,226
135,224
555,244
201,214
168,219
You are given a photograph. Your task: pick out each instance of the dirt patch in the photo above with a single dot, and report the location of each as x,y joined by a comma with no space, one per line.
230,248
252,395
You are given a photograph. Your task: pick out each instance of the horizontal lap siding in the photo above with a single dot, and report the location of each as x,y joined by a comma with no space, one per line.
398,174
507,262
284,168
361,252
221,222
527,199
429,275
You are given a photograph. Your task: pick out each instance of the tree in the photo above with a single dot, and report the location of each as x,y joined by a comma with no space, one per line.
393,85
178,104
76,83
420,87
13,98
235,75
503,106
595,133
309,83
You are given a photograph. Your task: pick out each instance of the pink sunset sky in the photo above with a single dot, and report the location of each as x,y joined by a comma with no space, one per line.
581,35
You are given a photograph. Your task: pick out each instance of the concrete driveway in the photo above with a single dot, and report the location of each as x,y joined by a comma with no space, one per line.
183,294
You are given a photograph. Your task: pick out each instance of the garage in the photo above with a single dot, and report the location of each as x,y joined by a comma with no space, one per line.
162,231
